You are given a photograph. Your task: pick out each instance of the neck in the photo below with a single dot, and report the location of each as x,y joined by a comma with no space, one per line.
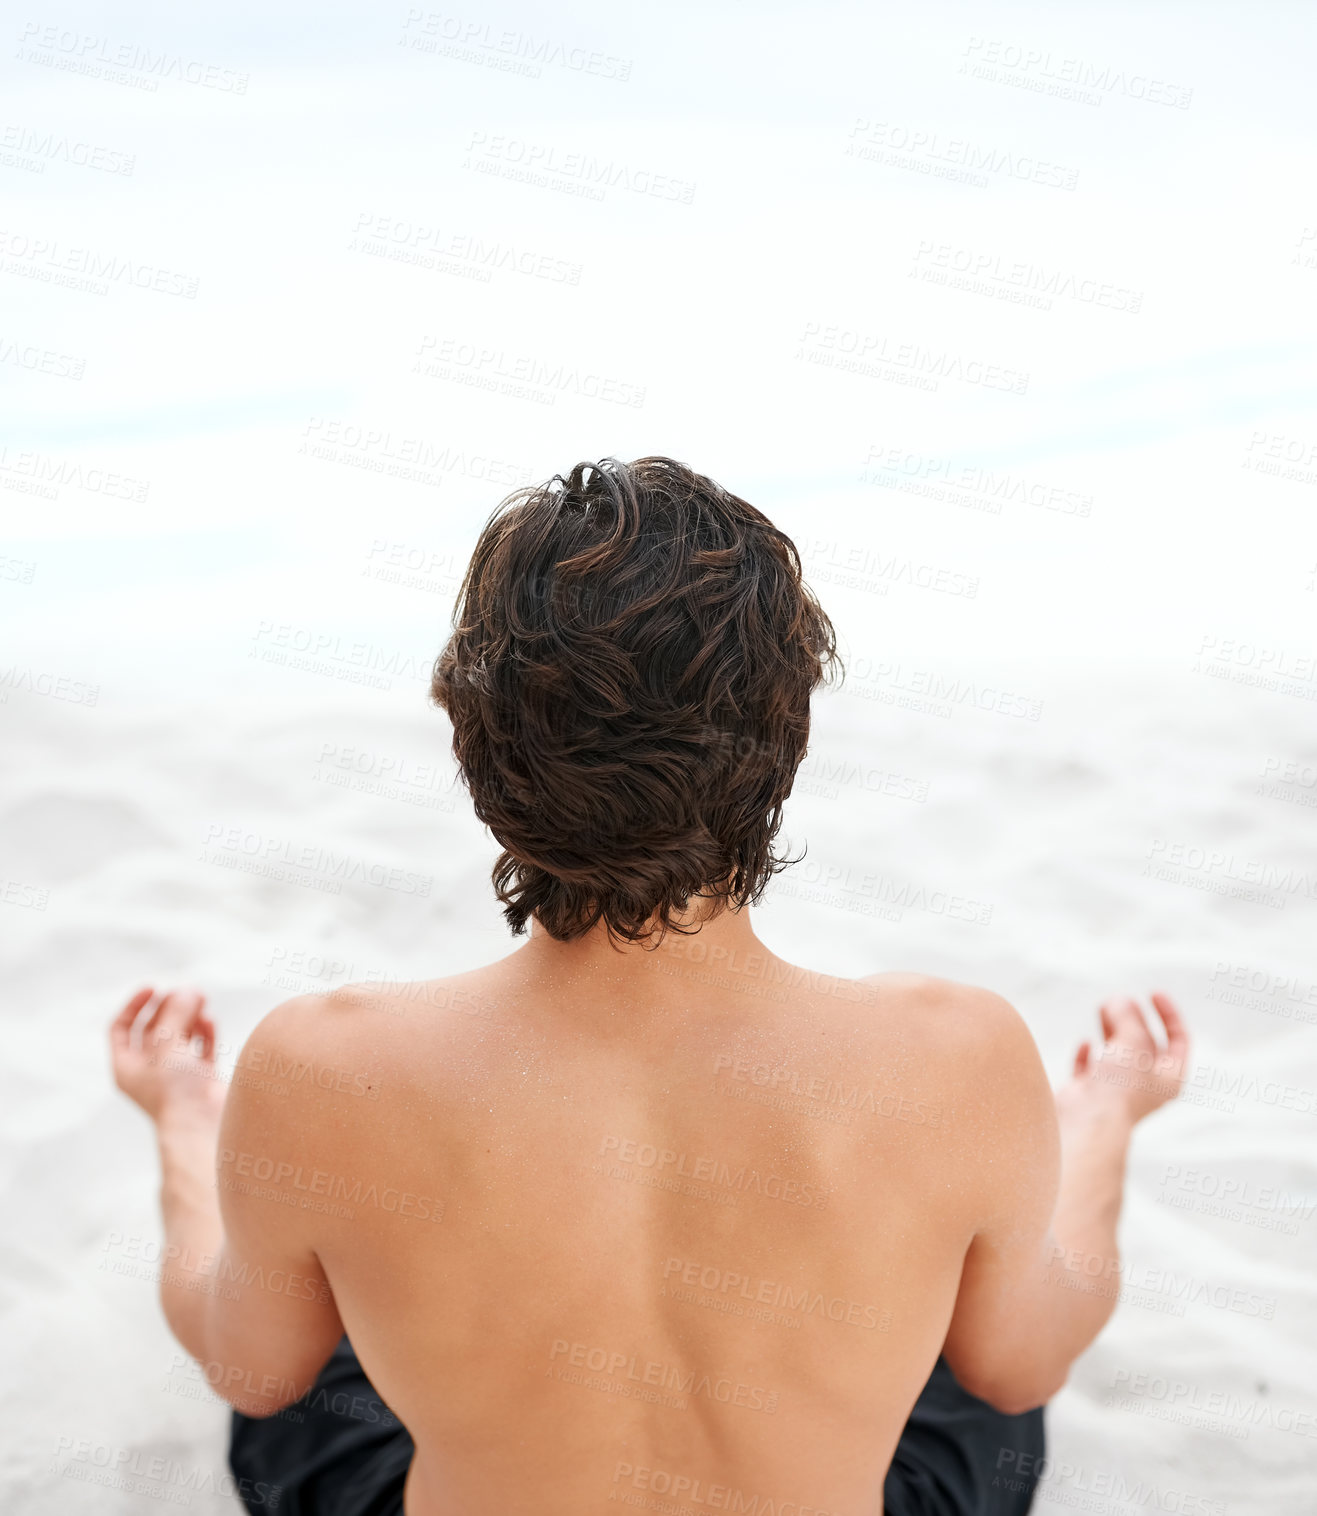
720,936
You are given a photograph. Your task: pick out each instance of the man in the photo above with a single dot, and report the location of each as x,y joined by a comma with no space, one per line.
639,1213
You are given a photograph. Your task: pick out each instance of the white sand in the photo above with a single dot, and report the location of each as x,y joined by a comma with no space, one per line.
359,203
1050,823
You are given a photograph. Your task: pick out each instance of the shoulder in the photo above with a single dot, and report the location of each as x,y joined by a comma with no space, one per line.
967,1009
306,1045
371,1007
319,1046
309,1023
974,1030
312,1066
329,1039
999,1125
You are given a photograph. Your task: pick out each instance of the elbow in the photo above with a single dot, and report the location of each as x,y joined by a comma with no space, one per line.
248,1388
260,1407
1012,1403
1013,1394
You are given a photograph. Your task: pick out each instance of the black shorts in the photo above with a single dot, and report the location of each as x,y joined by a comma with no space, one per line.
340,1451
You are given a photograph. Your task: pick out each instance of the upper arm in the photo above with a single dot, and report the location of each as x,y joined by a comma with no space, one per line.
997,1345
272,1322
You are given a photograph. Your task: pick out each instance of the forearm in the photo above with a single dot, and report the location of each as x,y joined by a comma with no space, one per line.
1041,1277
260,1334
242,1289
1021,1351
194,1233
1083,1264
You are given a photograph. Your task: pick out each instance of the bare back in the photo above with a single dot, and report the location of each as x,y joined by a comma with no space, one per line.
617,1238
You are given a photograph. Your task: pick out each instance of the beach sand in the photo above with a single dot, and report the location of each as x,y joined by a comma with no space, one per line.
1139,833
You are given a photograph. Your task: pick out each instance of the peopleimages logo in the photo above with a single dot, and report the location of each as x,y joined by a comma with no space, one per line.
318,1185
504,46
850,348
691,1492
782,1080
624,1369
801,1299
669,1162
156,1475
956,157
42,469
90,53
1057,74
336,867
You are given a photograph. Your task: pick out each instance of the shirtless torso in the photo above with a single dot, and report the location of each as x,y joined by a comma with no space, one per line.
588,1217
603,1221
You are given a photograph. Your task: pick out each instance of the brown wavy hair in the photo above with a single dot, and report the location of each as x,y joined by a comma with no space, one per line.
628,678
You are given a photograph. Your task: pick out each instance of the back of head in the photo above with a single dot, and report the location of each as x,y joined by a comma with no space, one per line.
628,680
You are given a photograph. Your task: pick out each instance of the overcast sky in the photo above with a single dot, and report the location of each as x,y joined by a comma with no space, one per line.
997,310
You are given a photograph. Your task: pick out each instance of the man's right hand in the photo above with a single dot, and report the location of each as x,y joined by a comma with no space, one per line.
1130,1068
156,1060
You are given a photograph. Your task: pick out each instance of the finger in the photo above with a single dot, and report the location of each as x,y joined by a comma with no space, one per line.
199,1027
1081,1060
1108,1023
1177,1034
121,1028
1130,1023
174,1016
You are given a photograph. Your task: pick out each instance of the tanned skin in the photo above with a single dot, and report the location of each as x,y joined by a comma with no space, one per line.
593,1214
